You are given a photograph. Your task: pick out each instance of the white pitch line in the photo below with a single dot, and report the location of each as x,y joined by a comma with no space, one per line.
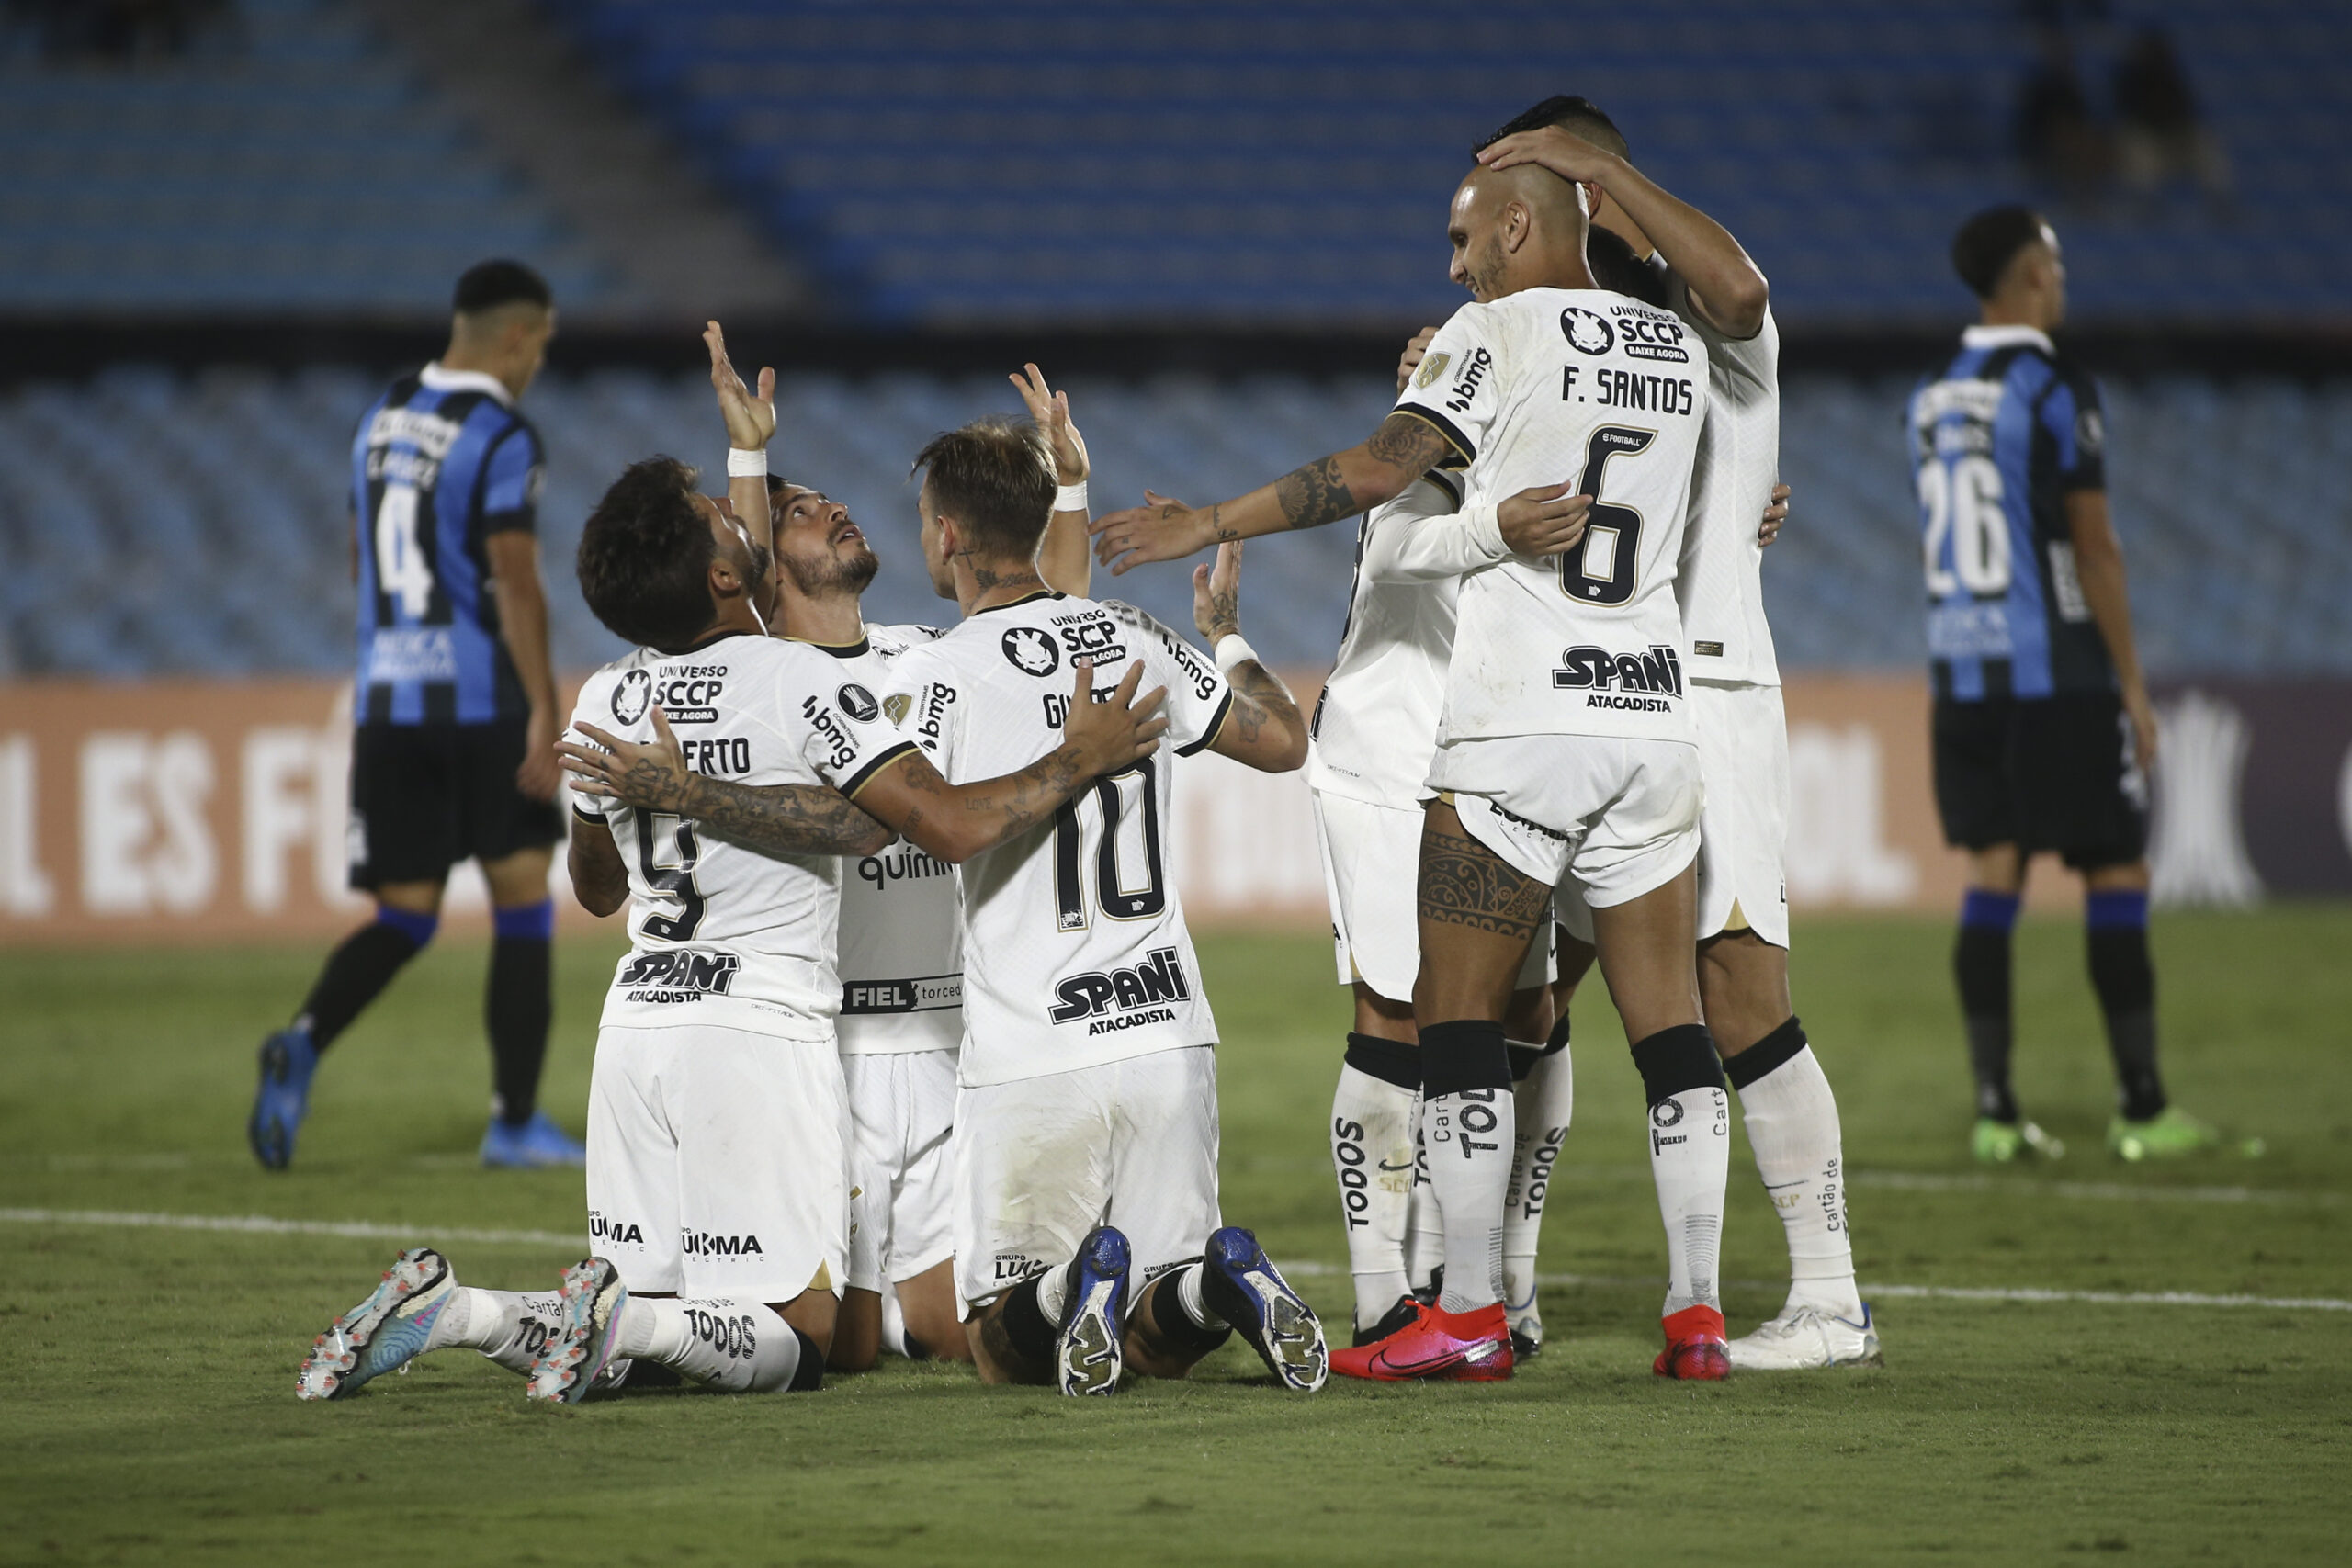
2100,1191
369,1230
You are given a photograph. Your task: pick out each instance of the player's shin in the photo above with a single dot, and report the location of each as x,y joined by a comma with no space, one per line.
511,1327
519,1005
726,1342
2115,928
1981,965
1792,1121
1690,1135
1371,1158
358,970
1542,1107
1424,1226
1467,1122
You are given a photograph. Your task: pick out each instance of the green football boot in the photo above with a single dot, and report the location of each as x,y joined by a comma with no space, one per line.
2005,1143
2168,1134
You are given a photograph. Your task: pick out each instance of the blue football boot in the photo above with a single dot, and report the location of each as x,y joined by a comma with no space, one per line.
287,1060
1089,1358
1240,1284
385,1332
536,1144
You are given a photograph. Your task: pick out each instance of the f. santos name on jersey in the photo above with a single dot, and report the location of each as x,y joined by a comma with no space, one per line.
1628,390
1136,995
677,975
1595,671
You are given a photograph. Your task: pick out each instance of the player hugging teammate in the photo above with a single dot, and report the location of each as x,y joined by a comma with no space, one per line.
746,1161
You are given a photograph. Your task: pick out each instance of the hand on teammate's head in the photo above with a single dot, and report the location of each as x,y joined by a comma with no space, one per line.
1563,151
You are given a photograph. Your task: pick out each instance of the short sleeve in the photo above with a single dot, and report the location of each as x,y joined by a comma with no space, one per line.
924,703
597,690
510,497
1198,697
847,738
1458,386
2077,423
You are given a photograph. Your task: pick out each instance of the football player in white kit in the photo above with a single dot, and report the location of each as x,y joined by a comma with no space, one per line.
1785,1100
1566,750
901,957
1088,1237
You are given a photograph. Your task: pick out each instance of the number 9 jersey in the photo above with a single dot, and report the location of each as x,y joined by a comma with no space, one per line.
1553,385
723,935
1075,951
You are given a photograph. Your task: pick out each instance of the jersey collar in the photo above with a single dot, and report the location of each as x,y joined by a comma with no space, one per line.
2007,337
838,650
1014,604
440,380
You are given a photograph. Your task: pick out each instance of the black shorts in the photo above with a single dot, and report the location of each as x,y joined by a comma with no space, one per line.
2042,774
425,796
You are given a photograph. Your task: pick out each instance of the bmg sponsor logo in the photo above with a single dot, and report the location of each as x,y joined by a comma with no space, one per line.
1474,374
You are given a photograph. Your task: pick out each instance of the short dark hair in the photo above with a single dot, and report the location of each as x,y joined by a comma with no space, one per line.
488,284
1572,112
644,561
1616,268
1988,243
996,479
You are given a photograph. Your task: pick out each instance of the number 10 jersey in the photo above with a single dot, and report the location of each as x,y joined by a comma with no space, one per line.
720,934
1598,390
1075,951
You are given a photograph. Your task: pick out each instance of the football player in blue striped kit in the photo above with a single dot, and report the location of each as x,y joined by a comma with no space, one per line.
453,755
2042,728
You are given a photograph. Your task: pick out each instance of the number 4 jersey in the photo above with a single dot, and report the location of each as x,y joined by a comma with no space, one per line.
722,934
1075,951
1554,385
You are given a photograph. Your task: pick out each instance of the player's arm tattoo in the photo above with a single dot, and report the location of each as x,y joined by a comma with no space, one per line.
1259,699
1413,445
993,809
1462,883
1309,497
779,819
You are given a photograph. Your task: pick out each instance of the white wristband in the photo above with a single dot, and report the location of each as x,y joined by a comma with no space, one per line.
743,465
1232,650
1070,498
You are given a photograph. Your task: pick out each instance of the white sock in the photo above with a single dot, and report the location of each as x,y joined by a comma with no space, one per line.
1469,1136
725,1341
1371,1156
1424,1226
1052,1292
1187,1284
894,1321
1690,1162
1792,1119
1540,1112
511,1327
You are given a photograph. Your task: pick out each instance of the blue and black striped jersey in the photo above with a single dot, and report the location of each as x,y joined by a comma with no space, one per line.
440,463
1998,437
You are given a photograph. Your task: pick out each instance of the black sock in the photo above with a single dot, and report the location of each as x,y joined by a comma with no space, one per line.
2117,934
810,1373
518,1007
357,972
1027,1329
1980,961
1173,1326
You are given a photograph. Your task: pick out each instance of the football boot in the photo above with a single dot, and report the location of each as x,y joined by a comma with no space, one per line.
567,1366
1436,1347
1809,1336
383,1332
1241,1285
287,1060
1090,1355
1694,1351
536,1144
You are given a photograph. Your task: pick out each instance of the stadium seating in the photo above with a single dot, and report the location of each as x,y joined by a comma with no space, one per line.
288,163
1289,161
224,549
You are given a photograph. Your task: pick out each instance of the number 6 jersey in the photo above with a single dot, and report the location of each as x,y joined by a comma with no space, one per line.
1075,951
721,934
1554,385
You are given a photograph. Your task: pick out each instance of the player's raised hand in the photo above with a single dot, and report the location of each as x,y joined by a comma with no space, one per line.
1051,410
651,775
1217,594
1163,530
750,418
1567,155
1543,520
1774,516
1115,733
1415,351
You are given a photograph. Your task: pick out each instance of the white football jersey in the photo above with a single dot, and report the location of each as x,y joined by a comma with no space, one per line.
722,934
1375,723
1597,389
1075,951
1721,583
902,948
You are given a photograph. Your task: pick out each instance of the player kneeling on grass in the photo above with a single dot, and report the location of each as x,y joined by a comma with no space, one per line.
716,1160
1088,1236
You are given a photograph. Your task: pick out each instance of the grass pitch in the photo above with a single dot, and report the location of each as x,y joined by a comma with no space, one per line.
146,1375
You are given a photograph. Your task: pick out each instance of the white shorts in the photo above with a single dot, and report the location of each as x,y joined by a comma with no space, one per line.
1040,1162
902,1175
1744,827
1371,859
1617,817
717,1162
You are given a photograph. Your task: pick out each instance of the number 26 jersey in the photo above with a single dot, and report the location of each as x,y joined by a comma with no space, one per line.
720,934
1075,951
1582,386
